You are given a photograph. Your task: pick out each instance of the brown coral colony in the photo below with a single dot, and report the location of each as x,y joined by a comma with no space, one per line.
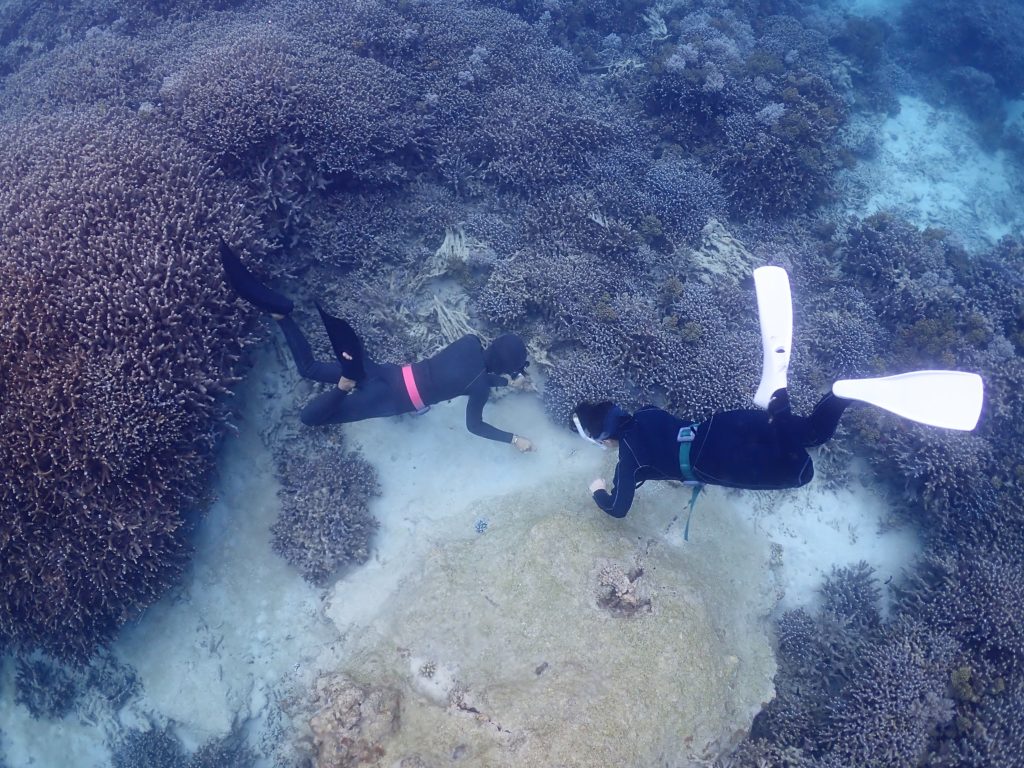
116,338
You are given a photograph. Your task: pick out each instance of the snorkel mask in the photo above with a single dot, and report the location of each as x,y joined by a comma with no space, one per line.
613,422
584,435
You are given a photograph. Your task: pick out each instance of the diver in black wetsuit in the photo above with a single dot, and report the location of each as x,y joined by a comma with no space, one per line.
368,390
751,449
763,449
464,367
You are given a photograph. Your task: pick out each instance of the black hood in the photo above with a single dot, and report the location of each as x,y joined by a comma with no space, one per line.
603,420
506,355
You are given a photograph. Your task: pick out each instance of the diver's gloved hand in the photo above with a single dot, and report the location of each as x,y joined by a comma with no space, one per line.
521,444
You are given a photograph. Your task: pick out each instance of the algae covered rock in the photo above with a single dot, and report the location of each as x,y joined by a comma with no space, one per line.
350,722
562,637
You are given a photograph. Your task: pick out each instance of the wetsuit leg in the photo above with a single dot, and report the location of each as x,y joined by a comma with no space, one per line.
378,395
824,419
743,449
807,431
310,368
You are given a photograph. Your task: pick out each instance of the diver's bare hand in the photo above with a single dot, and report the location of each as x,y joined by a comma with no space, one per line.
346,385
522,444
520,383
598,485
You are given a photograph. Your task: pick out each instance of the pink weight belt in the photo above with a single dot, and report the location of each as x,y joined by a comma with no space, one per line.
412,389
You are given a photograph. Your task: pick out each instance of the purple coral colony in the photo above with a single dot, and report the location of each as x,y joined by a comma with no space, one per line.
586,145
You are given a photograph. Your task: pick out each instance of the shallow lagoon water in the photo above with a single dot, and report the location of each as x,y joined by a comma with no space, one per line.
483,631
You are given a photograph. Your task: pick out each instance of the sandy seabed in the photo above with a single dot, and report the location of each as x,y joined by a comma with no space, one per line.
456,623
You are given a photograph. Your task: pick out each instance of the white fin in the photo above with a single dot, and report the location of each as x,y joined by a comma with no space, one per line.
775,310
948,399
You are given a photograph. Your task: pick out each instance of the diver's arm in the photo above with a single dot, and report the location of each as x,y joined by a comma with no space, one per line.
618,502
475,414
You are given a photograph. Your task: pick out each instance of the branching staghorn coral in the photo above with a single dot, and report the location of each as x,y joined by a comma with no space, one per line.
118,340
325,522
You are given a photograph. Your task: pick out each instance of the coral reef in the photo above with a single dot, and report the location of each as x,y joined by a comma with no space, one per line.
49,689
160,748
554,146
580,376
620,592
578,162
155,748
902,271
683,196
350,721
45,688
289,117
105,66
556,284
781,158
979,603
119,339
325,522
851,689
757,103
229,752
237,97
985,34
887,716
547,696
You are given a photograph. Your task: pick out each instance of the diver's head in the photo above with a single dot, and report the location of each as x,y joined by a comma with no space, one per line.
600,423
506,356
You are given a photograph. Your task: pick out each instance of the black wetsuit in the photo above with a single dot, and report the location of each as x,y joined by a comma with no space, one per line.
739,449
457,370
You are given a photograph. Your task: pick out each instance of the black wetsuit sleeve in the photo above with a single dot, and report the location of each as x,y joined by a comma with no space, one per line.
618,502
478,394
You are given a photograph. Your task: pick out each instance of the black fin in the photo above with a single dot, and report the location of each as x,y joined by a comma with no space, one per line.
249,288
344,339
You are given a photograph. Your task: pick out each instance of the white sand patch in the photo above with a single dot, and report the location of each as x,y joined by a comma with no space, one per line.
433,473
816,528
930,169
243,620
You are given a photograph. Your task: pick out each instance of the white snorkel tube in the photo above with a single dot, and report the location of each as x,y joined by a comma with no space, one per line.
585,436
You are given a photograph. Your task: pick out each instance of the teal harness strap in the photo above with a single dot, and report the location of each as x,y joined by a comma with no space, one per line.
685,439
693,500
